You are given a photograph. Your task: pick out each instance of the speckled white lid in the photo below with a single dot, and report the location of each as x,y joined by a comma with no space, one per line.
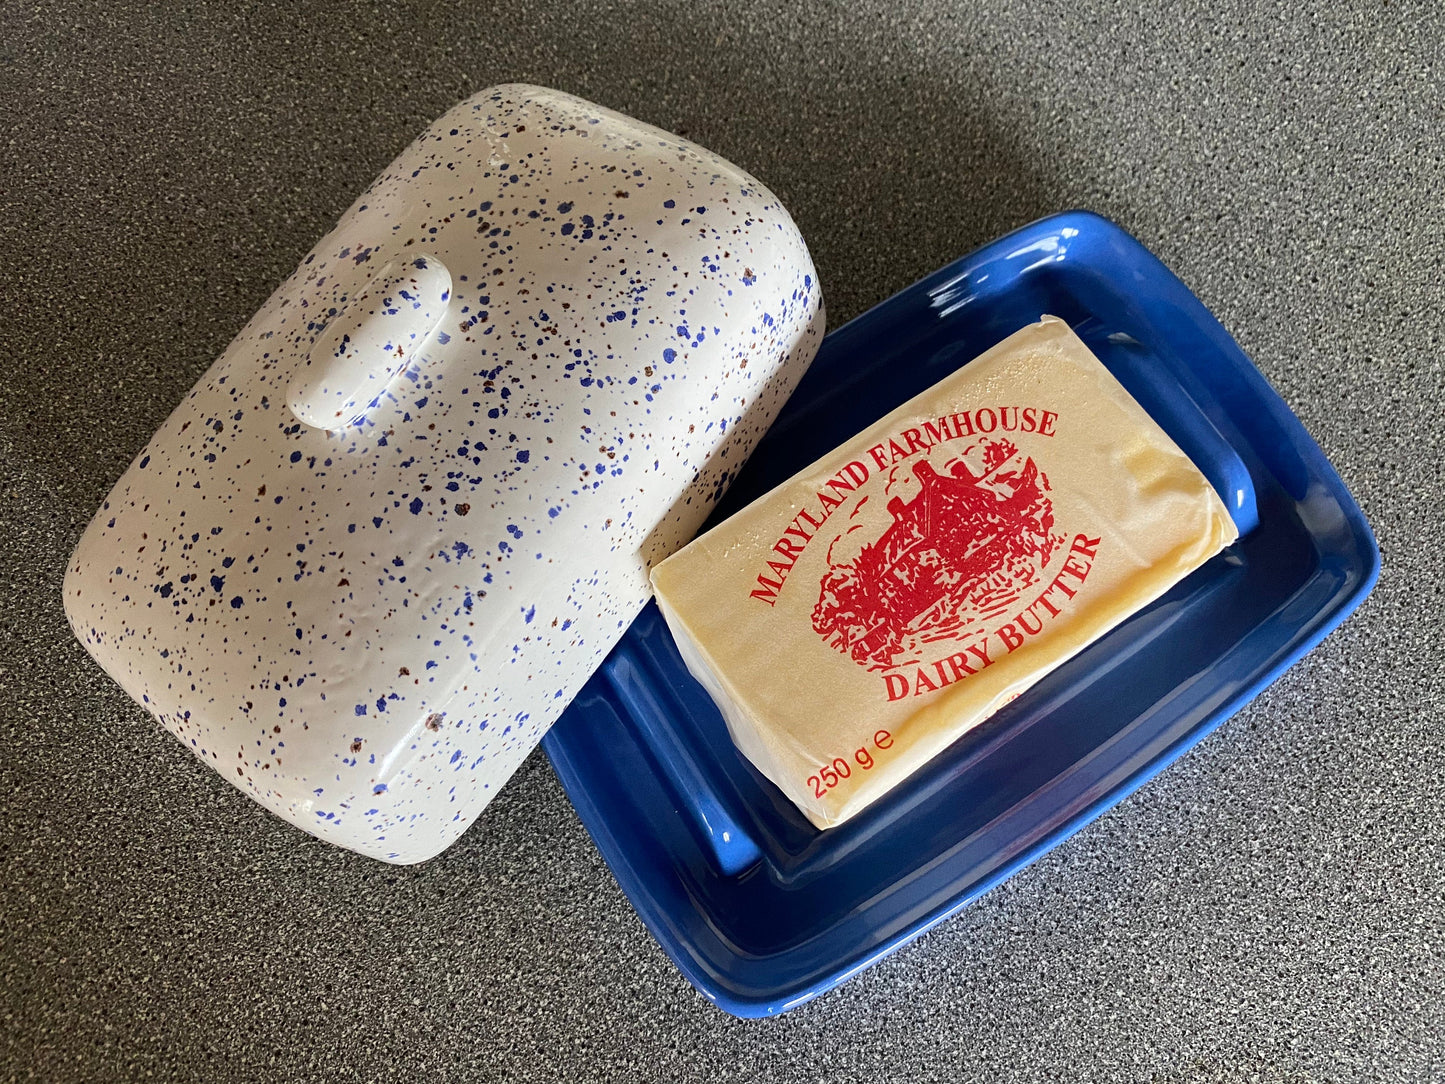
392,530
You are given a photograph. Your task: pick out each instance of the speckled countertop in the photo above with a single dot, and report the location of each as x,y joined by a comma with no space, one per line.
1271,908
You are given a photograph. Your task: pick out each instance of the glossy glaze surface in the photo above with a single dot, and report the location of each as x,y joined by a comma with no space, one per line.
759,909
388,535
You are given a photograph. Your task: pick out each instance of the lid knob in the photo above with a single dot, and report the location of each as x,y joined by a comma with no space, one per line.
370,341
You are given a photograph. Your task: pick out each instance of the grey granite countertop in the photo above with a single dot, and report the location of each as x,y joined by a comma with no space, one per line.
1271,908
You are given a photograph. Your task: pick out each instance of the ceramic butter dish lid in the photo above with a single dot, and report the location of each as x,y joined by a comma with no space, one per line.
393,529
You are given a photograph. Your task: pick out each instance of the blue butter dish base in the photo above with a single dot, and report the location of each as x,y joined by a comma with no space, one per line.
760,910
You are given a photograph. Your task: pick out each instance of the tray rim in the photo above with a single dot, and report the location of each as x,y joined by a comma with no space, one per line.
751,1005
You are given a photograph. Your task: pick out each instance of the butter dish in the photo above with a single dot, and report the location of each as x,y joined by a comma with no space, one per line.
758,908
391,531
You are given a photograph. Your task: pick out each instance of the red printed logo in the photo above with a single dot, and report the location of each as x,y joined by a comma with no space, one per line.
958,554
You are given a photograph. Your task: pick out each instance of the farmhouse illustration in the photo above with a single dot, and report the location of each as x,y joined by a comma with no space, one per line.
958,553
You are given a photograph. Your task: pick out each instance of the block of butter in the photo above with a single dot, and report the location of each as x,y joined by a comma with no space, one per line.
856,620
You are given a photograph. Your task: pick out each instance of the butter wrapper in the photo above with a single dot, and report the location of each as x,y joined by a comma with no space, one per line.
856,620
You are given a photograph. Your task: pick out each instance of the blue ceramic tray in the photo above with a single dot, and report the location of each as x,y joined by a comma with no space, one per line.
760,910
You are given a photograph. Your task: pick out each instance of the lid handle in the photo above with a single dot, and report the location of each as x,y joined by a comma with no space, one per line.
370,341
